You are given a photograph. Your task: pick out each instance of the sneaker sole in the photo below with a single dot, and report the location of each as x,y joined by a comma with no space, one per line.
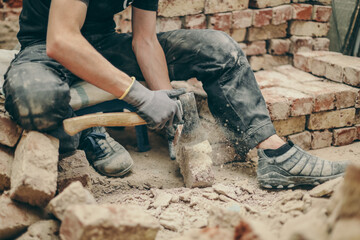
119,174
279,181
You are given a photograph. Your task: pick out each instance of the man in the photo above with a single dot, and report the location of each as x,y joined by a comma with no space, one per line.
66,40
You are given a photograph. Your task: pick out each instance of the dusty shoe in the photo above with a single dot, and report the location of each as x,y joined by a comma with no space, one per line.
296,167
106,155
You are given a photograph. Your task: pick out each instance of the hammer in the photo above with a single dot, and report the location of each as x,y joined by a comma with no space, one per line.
130,119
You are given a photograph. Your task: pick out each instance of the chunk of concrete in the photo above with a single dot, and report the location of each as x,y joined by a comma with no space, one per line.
6,159
108,222
73,167
326,189
42,230
16,217
34,170
196,165
311,226
74,194
10,132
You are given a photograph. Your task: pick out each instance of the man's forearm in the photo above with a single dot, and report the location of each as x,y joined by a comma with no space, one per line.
152,62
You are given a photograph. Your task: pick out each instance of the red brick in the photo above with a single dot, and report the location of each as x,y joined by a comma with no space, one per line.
302,139
358,131
290,126
262,17
267,79
267,32
332,119
267,3
195,21
242,19
321,44
124,26
6,160
321,13
279,46
324,98
16,217
73,167
281,14
302,11
278,106
321,139
238,34
175,8
256,48
303,60
168,24
10,132
13,3
301,44
296,74
345,96
214,6
220,21
344,136
309,28
352,75
268,61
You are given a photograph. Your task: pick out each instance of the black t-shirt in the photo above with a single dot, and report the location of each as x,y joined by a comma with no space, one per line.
99,18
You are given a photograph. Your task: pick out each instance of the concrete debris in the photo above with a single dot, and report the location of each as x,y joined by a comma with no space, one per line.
196,165
225,190
346,229
252,229
326,189
73,167
226,217
75,193
16,217
10,132
163,199
108,222
171,220
294,205
208,234
311,226
42,230
6,160
34,170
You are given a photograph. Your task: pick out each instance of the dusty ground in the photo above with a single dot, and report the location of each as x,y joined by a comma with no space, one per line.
156,185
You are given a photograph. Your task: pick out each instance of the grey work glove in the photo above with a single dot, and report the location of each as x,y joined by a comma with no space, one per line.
155,107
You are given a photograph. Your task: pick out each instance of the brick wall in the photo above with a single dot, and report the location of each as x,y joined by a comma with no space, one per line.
9,26
269,31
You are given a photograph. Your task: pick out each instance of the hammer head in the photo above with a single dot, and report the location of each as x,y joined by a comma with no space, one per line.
190,129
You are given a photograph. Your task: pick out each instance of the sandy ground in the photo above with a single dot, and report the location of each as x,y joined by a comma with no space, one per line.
156,185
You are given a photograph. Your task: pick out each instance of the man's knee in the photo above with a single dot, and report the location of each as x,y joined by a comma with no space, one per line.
36,97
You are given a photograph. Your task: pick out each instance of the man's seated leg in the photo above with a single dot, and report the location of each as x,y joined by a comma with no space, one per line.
37,97
235,99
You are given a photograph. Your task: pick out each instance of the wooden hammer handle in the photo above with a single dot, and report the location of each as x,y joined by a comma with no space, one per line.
118,119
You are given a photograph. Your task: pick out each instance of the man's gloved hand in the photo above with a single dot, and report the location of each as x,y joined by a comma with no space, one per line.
155,107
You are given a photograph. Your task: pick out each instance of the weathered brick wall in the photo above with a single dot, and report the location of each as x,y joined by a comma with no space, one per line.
9,22
269,31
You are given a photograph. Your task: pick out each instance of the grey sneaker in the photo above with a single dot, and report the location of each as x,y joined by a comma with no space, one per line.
106,155
296,167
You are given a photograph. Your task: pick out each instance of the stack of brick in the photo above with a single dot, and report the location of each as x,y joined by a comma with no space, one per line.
311,110
269,32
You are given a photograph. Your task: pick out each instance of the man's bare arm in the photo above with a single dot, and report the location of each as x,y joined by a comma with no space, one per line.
149,54
66,45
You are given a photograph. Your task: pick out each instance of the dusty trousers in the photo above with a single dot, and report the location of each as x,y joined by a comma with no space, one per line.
37,87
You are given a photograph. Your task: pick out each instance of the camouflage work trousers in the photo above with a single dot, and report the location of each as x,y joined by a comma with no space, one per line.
37,87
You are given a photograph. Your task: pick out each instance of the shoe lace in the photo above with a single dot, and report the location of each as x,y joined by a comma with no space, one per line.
97,143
